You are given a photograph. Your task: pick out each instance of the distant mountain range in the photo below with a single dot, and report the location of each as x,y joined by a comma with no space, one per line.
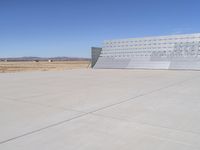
44,59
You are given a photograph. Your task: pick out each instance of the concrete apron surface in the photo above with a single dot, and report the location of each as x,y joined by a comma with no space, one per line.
88,109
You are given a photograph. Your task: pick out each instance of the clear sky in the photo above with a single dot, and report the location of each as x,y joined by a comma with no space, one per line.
49,28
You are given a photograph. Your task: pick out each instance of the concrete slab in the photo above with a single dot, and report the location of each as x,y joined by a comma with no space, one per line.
18,118
96,132
100,109
90,90
176,107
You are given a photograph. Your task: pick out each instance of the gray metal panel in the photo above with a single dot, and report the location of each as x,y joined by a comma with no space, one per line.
95,53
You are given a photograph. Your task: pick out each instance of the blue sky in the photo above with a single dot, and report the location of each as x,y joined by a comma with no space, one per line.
49,28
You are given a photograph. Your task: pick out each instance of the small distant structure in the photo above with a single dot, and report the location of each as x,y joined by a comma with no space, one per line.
50,60
6,60
35,60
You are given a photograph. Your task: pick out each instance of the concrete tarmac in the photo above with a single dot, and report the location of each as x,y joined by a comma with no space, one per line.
87,109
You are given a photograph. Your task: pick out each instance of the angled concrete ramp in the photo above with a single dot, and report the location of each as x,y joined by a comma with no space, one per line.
104,62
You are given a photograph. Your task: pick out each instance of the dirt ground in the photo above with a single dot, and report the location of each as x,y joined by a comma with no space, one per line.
41,66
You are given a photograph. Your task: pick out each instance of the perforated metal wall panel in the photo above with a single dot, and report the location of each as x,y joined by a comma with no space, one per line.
163,52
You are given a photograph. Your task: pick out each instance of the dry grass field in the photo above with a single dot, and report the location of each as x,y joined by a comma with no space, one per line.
41,66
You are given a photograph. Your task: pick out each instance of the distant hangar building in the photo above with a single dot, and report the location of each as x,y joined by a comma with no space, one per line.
161,52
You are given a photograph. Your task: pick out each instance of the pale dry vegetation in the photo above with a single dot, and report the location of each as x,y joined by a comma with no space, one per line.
42,65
